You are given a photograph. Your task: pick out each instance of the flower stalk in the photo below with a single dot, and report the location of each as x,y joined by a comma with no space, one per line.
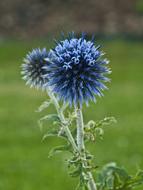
81,147
62,119
80,130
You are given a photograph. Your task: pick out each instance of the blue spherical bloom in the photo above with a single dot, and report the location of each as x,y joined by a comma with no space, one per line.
78,72
32,69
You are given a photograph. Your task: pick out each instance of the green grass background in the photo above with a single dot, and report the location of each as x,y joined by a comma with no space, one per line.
24,163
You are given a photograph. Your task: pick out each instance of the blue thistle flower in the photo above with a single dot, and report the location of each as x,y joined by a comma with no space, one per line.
32,69
77,73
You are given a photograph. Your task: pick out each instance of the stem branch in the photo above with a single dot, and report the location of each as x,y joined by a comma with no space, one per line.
63,120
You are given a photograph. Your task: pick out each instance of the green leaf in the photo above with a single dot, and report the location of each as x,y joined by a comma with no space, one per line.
52,117
50,134
86,187
136,180
110,182
71,117
94,129
59,149
90,125
75,173
113,177
43,106
99,131
54,133
82,187
106,121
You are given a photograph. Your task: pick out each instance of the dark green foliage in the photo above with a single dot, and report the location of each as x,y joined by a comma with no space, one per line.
112,177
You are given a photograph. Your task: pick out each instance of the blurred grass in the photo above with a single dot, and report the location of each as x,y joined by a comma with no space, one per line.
24,163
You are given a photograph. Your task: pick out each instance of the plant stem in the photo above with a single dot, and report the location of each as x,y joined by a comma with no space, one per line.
80,131
80,134
81,147
63,120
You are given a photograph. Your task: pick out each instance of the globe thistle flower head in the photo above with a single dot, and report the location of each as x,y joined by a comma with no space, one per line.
78,72
32,68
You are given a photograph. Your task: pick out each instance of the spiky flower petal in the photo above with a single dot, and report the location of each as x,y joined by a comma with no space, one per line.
32,69
78,73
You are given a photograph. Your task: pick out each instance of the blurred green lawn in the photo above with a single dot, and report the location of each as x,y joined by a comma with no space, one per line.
24,163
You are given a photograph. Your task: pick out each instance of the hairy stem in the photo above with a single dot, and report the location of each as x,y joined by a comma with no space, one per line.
80,130
81,147
63,120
